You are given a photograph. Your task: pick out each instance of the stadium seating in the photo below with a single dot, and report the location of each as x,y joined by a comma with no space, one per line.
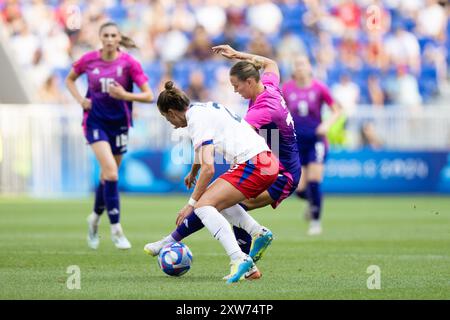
293,22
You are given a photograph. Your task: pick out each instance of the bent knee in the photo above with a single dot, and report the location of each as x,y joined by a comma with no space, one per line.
205,203
110,175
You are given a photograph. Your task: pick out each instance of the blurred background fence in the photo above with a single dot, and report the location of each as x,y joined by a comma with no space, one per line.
43,153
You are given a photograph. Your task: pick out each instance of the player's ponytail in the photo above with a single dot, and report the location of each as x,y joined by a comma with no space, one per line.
125,41
245,69
172,98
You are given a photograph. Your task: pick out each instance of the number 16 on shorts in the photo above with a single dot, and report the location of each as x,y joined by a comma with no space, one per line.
122,141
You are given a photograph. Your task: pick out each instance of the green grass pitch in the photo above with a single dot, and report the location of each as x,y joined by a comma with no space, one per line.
407,237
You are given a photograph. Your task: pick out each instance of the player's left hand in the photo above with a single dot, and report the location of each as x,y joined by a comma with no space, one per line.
322,129
183,213
116,91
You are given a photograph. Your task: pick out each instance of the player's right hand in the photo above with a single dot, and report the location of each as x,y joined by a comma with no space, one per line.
183,213
86,104
190,180
226,51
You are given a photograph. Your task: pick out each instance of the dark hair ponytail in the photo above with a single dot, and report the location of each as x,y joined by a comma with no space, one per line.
172,98
126,42
245,69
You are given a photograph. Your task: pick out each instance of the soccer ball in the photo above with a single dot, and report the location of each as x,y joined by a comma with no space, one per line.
175,259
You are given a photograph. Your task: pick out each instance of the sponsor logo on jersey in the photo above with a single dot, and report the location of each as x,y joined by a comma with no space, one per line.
119,71
96,71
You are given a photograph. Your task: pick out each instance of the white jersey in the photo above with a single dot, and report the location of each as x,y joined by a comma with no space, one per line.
232,136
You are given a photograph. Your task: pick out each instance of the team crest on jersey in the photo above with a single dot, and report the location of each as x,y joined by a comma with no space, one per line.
119,71
312,96
292,96
96,71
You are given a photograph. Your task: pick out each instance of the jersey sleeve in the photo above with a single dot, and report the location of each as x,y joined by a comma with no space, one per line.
270,79
326,94
136,73
80,65
198,130
258,117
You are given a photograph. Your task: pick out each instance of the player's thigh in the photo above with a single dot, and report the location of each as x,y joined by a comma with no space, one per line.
118,159
315,166
315,172
303,179
221,194
264,199
105,157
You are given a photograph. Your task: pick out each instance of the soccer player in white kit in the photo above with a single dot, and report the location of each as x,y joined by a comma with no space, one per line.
214,128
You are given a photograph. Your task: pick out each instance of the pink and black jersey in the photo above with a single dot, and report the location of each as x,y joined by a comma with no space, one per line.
269,112
100,73
305,105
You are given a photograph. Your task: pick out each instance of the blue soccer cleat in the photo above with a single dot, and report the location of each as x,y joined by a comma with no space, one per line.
252,274
260,244
241,267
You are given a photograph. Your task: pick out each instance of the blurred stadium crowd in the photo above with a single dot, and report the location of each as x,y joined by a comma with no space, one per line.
377,52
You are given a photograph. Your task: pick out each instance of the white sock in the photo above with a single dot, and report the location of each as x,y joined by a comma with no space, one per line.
315,223
236,256
167,240
238,217
116,229
94,218
219,227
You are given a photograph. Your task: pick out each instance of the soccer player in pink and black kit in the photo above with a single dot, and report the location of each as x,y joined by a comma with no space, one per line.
107,110
267,111
305,97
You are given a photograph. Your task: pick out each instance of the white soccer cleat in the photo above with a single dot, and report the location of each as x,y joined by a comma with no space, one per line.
315,228
93,239
153,248
120,241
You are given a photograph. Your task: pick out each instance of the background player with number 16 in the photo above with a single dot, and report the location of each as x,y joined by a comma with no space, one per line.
107,110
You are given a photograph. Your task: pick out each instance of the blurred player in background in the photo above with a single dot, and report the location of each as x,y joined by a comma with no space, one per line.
213,128
267,111
305,97
107,110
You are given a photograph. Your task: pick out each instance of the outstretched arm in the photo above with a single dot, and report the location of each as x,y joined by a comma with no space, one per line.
267,64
